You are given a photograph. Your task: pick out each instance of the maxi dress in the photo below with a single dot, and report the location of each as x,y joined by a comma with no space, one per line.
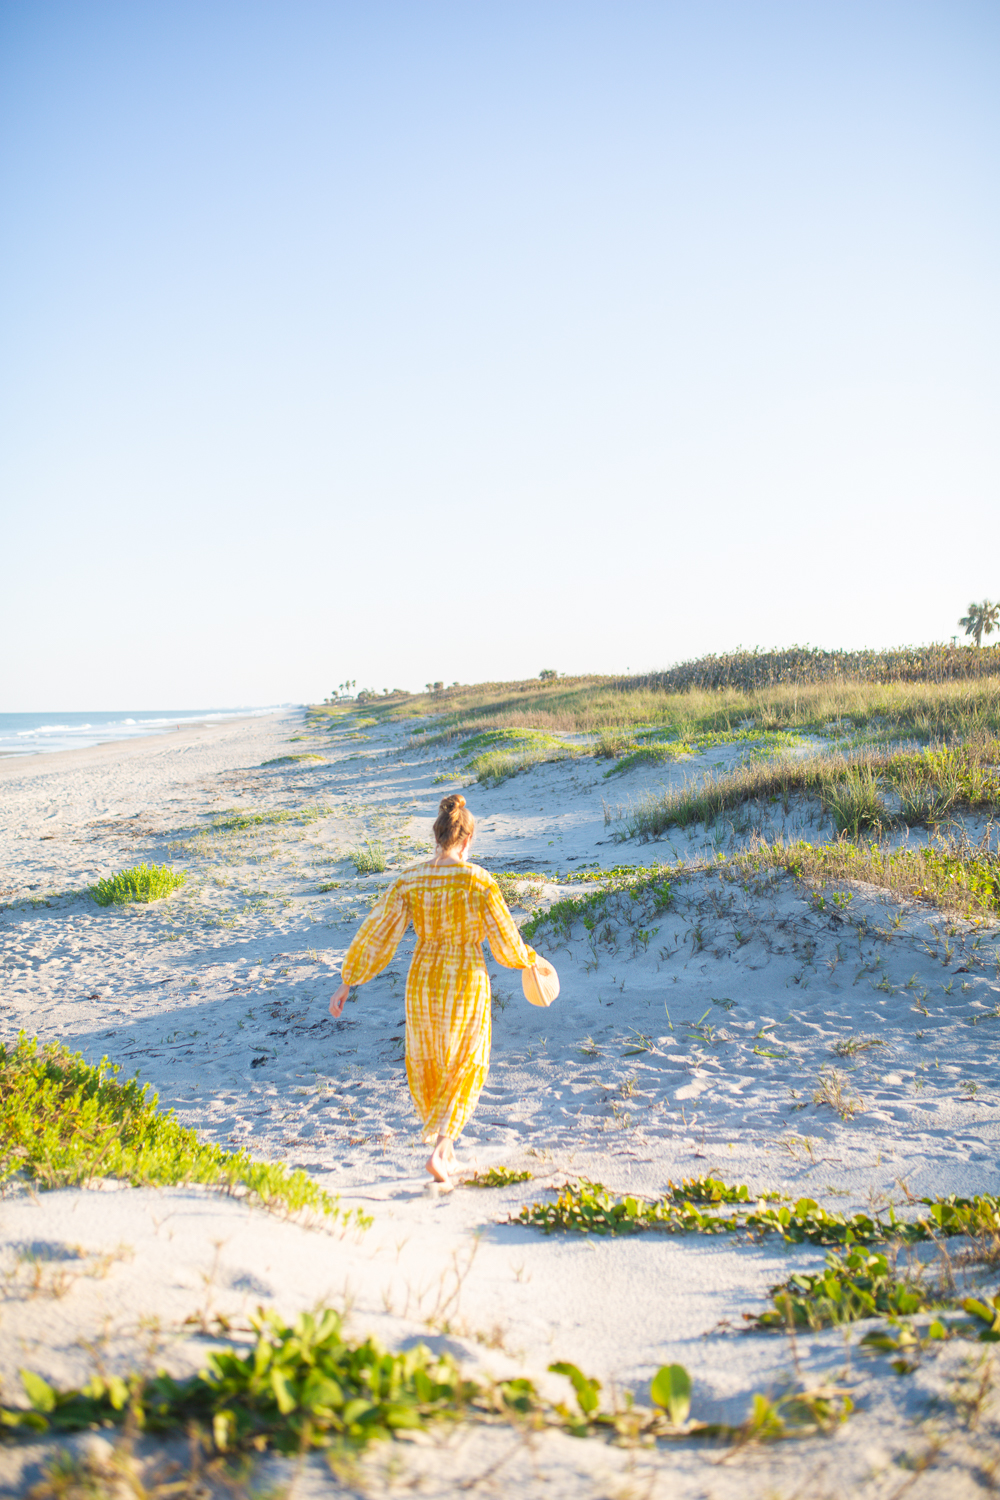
453,908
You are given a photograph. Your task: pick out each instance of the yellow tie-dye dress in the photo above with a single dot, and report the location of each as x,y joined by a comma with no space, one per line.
453,908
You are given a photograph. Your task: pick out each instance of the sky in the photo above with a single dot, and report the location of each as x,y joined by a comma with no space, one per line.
415,340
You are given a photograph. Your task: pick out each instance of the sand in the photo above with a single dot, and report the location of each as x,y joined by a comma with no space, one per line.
696,1048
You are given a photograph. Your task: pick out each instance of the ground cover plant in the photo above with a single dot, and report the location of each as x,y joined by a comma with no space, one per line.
589,1208
518,890
498,1176
659,750
305,1386
237,821
625,900
139,883
494,755
67,1123
860,1283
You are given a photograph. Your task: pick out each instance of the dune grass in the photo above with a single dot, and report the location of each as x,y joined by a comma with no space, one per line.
67,1123
926,786
370,859
138,883
951,874
937,693
492,756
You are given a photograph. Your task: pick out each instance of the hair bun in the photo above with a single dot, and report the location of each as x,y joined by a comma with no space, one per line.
454,824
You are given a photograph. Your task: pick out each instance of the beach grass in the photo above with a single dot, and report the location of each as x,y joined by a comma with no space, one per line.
138,883
950,873
761,741
370,858
926,786
67,1123
927,694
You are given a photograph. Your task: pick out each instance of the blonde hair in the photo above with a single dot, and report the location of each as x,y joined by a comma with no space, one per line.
454,823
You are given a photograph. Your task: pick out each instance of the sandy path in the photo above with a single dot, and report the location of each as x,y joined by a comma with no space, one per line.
693,1048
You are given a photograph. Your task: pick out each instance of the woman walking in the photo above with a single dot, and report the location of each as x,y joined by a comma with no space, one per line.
453,906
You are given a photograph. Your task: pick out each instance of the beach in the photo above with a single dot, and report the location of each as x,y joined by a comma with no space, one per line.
747,1032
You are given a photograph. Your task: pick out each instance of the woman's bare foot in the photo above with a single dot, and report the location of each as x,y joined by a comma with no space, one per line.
441,1162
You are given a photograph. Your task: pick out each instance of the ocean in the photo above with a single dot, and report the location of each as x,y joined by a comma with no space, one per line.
38,734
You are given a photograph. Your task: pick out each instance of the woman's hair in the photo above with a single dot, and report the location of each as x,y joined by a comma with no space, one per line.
454,823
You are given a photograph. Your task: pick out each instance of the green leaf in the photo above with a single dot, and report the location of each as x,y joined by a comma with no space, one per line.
117,1392
41,1396
406,1417
980,1309
282,1393
671,1388
585,1388
32,1419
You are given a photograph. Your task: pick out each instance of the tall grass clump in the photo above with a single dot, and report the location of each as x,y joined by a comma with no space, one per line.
854,802
370,860
67,1123
139,883
614,741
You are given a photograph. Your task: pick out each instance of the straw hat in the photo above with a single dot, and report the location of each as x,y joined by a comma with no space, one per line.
541,984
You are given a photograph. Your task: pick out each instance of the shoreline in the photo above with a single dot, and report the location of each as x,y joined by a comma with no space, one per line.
58,761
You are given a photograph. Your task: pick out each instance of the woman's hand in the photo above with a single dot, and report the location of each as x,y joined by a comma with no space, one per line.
337,1001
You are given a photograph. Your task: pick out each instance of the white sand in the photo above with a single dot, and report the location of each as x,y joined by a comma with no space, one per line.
236,969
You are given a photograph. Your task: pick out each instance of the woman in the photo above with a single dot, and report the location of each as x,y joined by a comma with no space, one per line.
453,906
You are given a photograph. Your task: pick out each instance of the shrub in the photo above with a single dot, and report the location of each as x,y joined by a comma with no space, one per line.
139,883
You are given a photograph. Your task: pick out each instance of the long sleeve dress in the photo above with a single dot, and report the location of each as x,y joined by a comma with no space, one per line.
453,908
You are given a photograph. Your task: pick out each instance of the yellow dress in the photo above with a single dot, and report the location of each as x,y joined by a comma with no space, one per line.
453,908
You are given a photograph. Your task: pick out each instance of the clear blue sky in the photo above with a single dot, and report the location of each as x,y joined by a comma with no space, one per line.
414,339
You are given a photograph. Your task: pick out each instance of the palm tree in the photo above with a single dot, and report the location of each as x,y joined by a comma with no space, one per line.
981,620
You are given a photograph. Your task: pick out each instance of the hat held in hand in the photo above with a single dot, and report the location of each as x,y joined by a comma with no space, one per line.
540,984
